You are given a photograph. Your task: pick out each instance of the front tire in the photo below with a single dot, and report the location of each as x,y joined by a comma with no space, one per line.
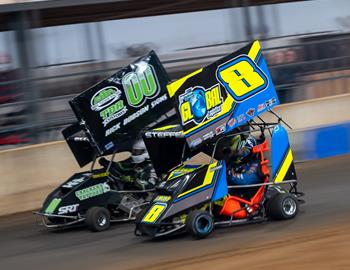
283,206
98,219
199,224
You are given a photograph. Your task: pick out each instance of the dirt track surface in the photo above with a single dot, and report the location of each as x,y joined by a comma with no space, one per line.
318,237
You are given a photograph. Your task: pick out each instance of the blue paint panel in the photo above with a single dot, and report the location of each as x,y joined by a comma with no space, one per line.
221,189
257,104
280,146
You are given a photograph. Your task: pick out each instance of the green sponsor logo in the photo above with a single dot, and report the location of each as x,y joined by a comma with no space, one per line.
52,206
105,97
113,112
92,191
140,85
107,102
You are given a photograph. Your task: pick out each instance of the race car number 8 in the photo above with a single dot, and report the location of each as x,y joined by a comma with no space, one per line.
153,214
242,78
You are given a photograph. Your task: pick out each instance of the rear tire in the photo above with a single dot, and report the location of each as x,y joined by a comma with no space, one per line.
283,206
98,219
199,224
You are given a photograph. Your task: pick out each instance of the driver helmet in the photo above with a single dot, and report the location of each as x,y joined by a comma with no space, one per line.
241,150
139,153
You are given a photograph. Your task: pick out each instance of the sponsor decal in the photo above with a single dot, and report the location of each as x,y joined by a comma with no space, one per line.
270,102
100,175
261,107
250,112
92,191
135,115
208,135
159,100
197,104
220,129
241,118
68,209
113,112
196,142
232,122
105,97
164,134
73,183
112,129
109,145
162,198
108,103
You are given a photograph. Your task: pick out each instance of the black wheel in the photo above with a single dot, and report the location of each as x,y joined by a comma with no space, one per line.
282,206
97,219
199,224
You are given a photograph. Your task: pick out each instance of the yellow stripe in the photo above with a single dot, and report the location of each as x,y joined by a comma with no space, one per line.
208,179
174,86
165,127
254,50
284,168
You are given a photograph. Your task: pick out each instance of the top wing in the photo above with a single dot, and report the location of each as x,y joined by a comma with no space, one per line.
126,102
223,95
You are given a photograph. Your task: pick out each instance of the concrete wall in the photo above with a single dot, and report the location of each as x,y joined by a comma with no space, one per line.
314,113
28,174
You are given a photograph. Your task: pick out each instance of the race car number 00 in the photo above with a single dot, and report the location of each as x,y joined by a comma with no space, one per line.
242,78
153,214
140,85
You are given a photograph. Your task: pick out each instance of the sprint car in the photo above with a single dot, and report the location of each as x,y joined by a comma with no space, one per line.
110,115
221,100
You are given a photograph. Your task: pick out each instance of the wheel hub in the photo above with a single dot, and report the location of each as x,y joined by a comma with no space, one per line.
289,206
102,220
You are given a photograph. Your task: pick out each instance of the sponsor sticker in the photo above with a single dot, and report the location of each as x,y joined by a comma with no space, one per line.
73,182
196,142
164,134
270,102
241,118
261,107
162,198
68,209
197,104
208,135
251,112
105,97
109,145
232,122
220,129
92,191
100,175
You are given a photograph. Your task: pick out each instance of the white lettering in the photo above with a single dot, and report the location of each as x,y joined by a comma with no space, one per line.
68,209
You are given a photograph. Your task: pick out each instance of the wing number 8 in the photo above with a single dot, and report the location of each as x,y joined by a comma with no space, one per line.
242,78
